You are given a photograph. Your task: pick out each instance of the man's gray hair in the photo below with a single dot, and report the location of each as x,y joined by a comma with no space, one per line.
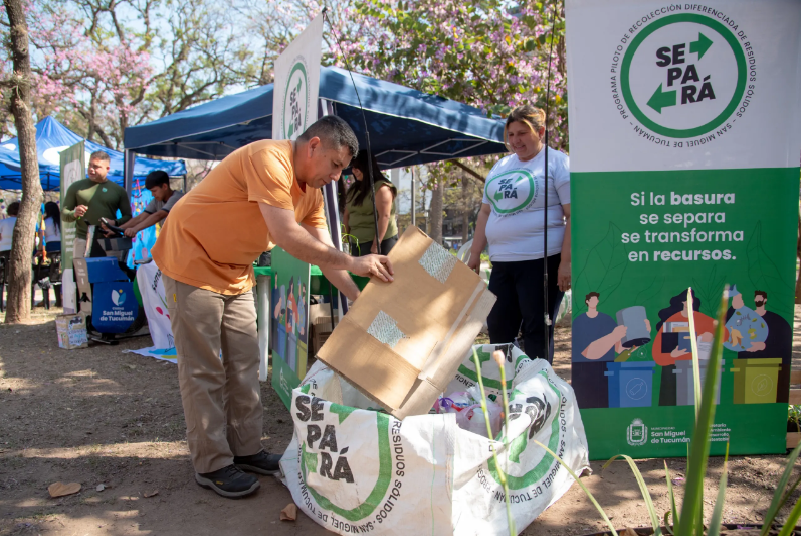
334,132
100,155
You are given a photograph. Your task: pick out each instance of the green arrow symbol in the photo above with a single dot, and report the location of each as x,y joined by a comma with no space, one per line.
662,99
700,46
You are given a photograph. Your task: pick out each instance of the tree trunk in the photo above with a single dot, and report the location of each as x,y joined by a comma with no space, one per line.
435,212
19,273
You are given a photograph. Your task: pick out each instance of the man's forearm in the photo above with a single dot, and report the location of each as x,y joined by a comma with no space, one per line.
134,221
302,245
342,280
68,215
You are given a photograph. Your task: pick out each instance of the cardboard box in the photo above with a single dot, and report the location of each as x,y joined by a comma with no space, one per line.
320,326
71,331
402,342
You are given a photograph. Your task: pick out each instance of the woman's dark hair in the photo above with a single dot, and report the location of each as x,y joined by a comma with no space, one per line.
13,208
359,190
676,307
51,211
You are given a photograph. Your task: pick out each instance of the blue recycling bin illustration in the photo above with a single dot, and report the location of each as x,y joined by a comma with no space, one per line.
630,383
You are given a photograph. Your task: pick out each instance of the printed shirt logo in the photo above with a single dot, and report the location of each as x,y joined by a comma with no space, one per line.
511,192
637,433
296,101
683,76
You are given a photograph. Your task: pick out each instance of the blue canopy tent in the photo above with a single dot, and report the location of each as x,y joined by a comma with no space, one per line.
407,127
53,137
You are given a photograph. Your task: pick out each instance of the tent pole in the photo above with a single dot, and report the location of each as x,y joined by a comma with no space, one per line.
130,162
332,211
414,210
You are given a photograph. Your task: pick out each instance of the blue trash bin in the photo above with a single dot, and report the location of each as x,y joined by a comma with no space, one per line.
630,383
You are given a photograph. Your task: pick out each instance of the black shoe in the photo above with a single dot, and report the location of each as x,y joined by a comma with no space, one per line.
263,463
229,482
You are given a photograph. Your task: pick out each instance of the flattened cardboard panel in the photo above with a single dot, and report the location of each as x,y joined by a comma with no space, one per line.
439,321
364,361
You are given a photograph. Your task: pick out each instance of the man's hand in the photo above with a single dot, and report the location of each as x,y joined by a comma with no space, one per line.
373,265
80,210
620,332
131,232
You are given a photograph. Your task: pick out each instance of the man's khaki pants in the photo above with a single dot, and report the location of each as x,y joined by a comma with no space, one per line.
220,396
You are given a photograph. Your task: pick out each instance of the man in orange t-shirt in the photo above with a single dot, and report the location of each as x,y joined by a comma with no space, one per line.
263,194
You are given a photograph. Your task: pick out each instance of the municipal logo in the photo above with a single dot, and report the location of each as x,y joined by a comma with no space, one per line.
637,433
296,106
118,297
683,76
512,191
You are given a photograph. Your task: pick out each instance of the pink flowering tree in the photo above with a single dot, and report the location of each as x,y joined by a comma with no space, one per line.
490,54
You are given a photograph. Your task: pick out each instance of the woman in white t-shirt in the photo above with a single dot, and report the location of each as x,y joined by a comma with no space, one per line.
511,223
7,228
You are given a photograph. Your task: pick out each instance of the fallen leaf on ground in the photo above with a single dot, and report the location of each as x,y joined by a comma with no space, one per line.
60,490
147,495
289,513
628,532
101,487
131,366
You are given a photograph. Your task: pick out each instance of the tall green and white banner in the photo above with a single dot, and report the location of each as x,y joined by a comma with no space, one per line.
73,168
685,137
297,83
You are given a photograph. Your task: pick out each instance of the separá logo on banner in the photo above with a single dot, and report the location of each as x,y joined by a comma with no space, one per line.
296,100
682,75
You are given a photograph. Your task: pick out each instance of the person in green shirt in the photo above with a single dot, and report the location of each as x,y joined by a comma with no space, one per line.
90,199
359,215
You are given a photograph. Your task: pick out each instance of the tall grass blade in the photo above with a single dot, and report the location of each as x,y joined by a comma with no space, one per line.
672,497
789,526
780,497
693,501
717,513
649,505
694,353
583,487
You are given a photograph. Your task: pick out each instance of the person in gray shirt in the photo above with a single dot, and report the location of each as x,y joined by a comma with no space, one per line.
164,198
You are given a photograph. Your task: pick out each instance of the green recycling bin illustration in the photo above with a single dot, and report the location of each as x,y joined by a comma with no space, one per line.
756,380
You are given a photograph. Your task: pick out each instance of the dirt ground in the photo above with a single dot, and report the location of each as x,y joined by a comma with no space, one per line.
99,416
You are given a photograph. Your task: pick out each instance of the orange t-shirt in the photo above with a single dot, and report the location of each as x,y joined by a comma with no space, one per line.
216,231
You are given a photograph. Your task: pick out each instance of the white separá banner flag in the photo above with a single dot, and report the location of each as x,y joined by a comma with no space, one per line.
657,85
151,287
297,83
685,138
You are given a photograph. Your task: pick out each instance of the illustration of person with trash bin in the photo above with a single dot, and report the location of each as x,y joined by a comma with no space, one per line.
280,314
672,343
772,345
291,326
596,340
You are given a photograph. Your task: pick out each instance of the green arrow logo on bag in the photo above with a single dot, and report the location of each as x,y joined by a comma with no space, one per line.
322,462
